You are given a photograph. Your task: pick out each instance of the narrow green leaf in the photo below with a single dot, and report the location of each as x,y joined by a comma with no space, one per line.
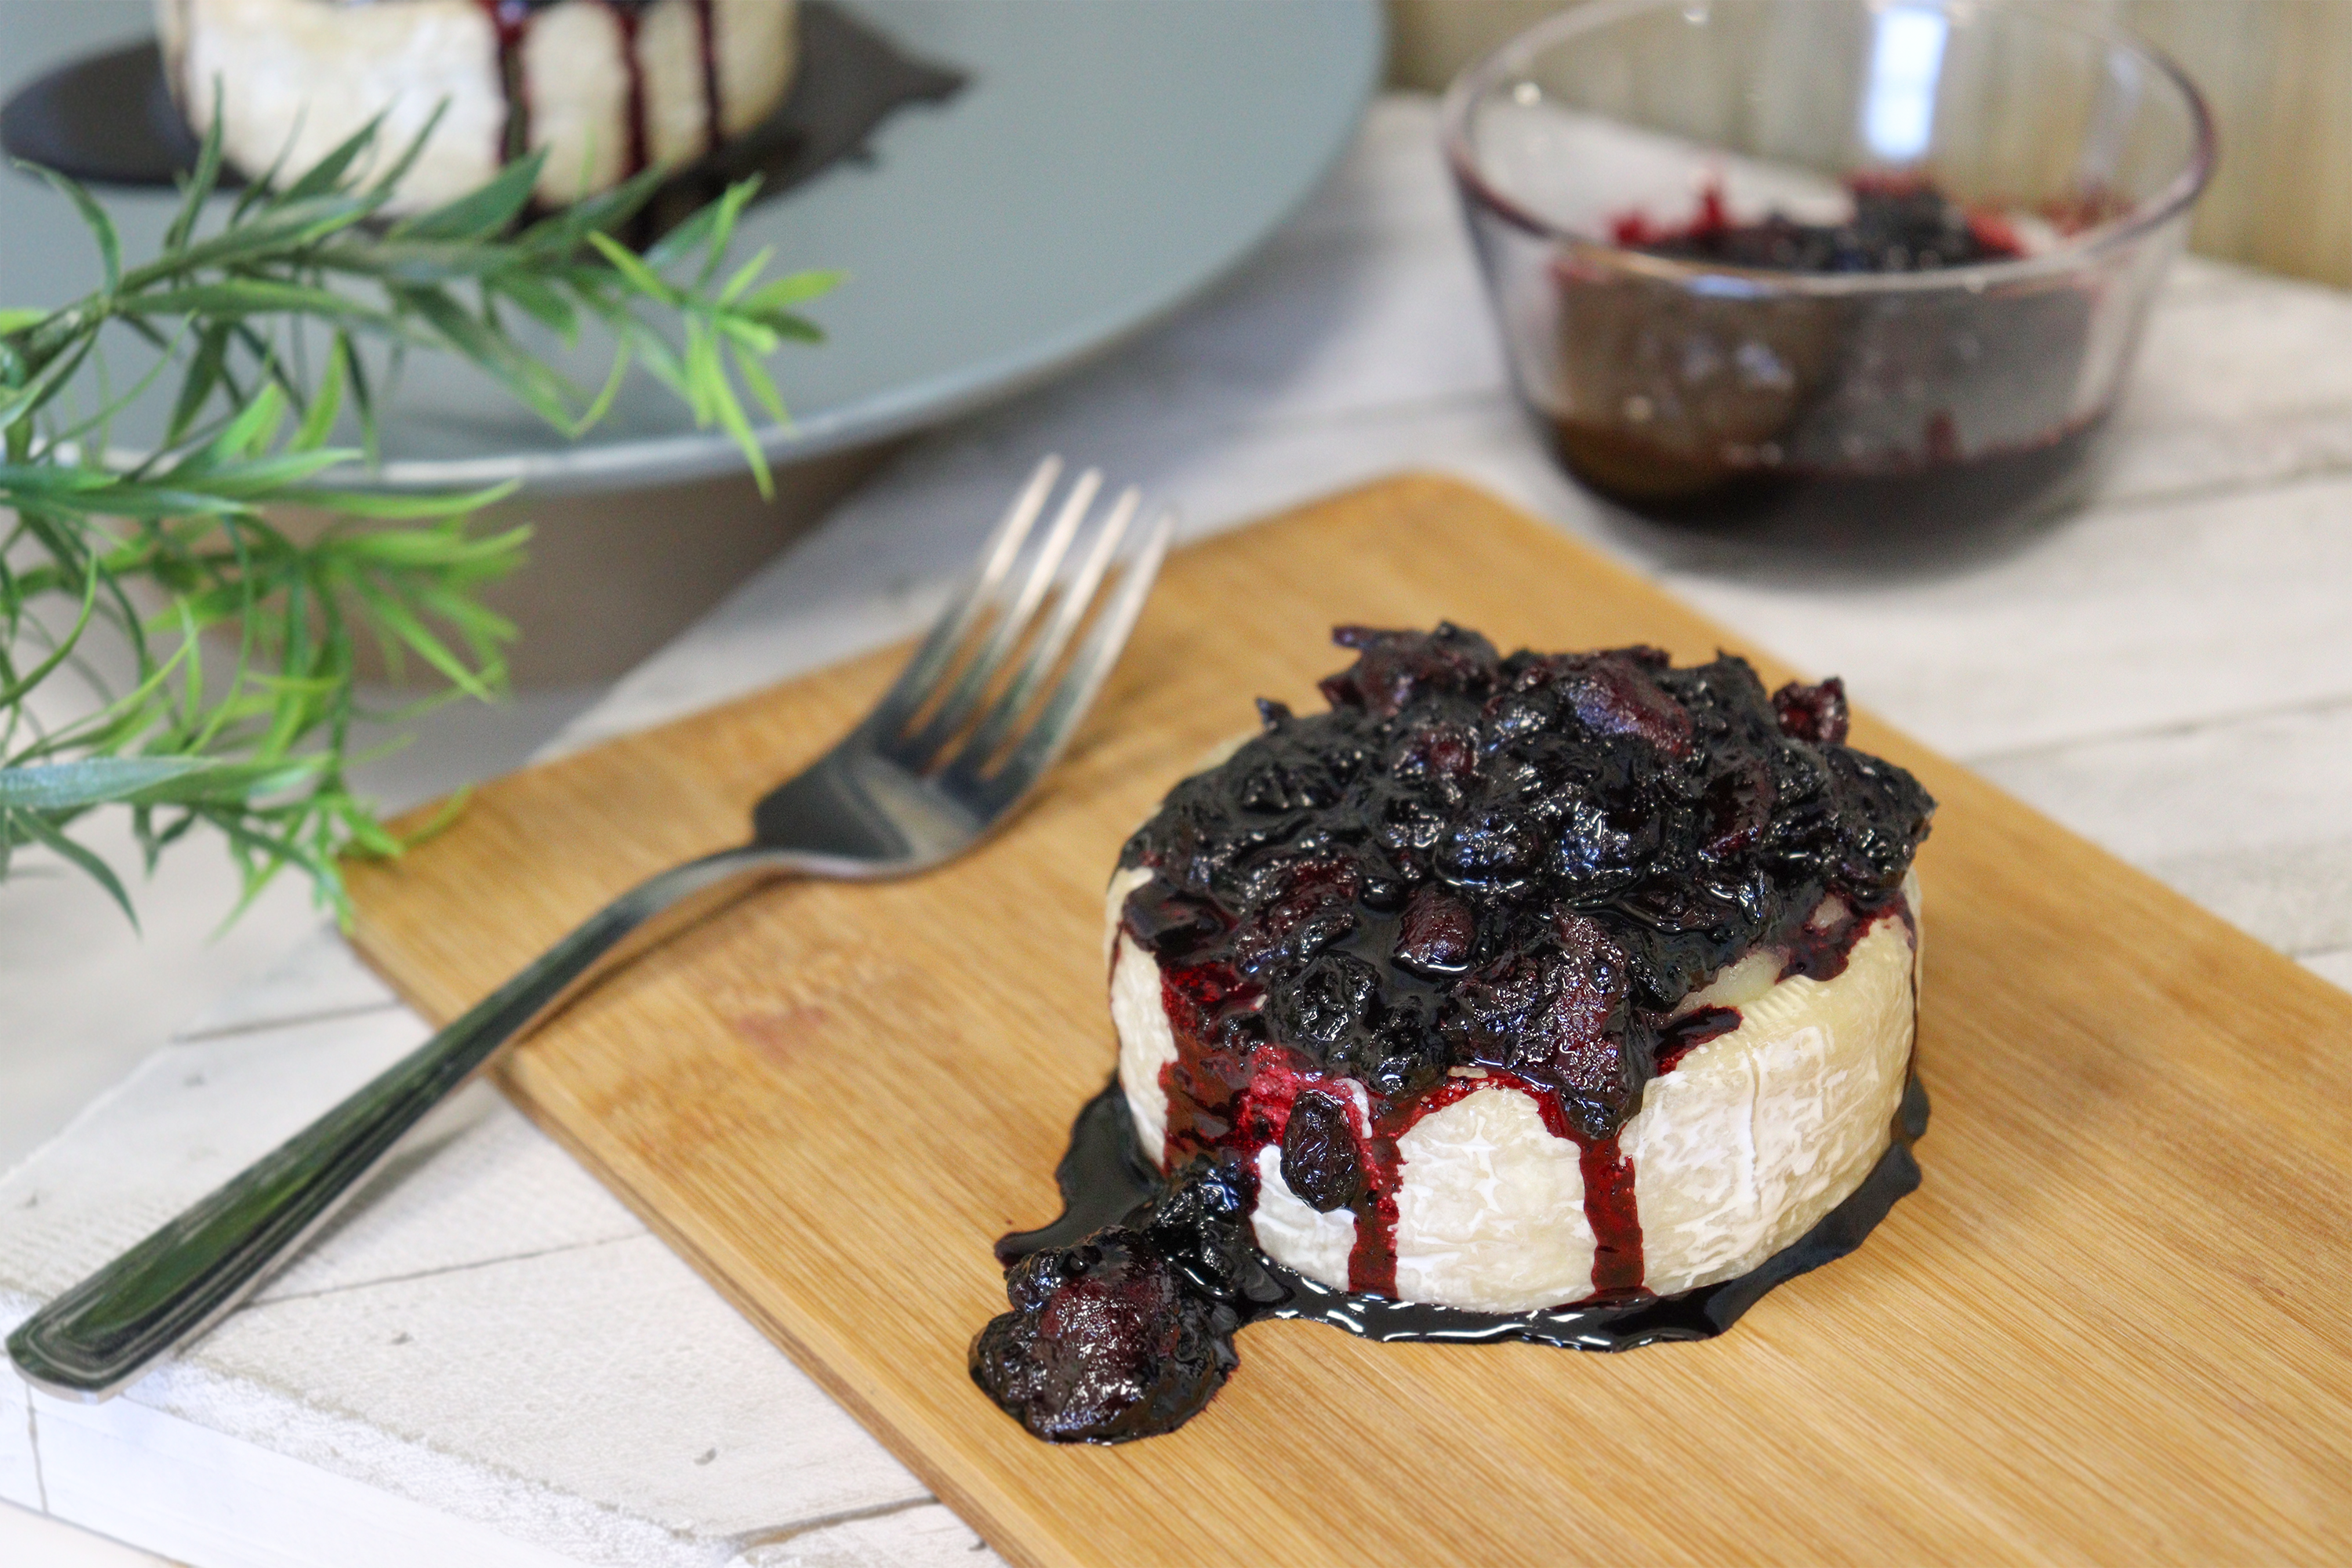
640,277
750,335
196,388
38,829
93,217
291,226
763,388
249,431
481,212
544,305
398,505
785,324
201,183
795,289
594,415
148,780
408,632
238,297
682,241
557,237
326,402
389,180
747,275
15,691
327,173
537,387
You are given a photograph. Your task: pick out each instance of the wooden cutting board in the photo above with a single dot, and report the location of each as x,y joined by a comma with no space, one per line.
2110,1326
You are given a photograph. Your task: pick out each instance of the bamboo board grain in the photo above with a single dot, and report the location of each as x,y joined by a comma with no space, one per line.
2109,1327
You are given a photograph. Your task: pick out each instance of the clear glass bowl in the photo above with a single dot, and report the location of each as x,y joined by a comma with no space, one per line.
1696,390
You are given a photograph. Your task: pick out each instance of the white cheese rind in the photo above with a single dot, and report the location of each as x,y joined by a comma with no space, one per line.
1147,1044
1292,1233
1490,1208
297,76
759,55
1738,1152
577,85
1757,1133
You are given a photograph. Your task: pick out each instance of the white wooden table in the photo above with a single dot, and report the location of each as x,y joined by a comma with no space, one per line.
491,1361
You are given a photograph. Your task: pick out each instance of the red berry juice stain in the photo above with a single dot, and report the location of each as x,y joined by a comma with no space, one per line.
510,26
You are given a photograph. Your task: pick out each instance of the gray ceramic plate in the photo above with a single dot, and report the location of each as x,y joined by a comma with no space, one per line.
1107,160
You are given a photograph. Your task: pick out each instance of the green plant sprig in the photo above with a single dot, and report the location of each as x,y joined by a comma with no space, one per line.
255,743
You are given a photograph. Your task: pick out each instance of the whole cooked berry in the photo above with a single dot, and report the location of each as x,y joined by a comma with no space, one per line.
1319,1163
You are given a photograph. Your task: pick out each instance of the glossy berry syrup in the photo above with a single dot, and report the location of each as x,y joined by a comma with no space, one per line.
1845,422
1472,872
1899,224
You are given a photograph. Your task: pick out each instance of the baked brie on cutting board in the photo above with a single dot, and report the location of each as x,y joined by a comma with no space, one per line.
1524,996
606,87
2105,1327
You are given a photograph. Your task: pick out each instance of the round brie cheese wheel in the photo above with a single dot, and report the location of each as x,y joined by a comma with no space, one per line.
1513,983
605,86
1750,1139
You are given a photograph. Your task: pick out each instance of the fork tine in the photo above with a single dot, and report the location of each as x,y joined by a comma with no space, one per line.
1077,597
1057,719
917,751
932,660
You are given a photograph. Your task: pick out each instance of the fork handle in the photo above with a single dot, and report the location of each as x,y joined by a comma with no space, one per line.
103,1332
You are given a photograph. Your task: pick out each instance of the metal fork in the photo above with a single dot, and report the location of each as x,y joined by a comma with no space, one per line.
940,761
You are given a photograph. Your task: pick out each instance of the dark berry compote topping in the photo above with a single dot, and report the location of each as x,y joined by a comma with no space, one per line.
1474,865
1471,871
1899,224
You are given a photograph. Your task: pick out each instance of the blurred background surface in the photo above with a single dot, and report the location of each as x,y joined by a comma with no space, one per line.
2277,73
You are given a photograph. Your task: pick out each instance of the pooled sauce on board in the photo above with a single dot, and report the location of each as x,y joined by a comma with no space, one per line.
1125,1309
1472,872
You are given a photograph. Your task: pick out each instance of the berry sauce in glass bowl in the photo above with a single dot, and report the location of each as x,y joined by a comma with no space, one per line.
1925,245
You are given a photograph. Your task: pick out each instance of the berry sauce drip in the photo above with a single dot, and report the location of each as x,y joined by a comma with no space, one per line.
1472,872
706,22
1899,224
626,18
510,26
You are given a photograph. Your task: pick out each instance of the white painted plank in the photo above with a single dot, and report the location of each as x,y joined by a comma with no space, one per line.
2335,967
2120,620
20,1475
924,1536
2243,380
534,1355
476,1184
74,1028
191,1493
73,1025
2247,819
316,977
36,1541
600,1403
190,1118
